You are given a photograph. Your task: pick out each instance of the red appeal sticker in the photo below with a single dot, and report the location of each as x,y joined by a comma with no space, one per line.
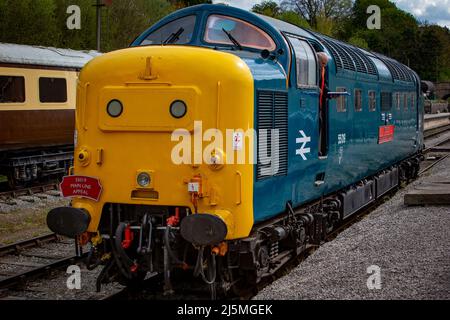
386,133
81,186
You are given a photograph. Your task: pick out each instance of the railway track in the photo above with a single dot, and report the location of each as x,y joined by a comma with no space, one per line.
29,191
27,260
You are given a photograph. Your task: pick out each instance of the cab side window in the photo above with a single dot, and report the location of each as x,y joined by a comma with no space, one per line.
306,65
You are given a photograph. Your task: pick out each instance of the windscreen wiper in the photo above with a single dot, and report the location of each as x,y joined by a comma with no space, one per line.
232,39
174,37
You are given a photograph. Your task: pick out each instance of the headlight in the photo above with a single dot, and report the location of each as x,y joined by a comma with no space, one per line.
143,179
114,108
178,109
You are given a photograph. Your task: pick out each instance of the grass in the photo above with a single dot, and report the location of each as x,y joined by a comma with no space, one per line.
3,179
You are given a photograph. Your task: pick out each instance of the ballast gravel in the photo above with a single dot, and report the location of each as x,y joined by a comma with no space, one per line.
408,247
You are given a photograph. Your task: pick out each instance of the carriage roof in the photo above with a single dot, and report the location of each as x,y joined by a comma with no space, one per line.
44,56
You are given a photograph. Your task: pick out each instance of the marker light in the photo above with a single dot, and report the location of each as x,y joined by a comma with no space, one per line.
143,179
178,109
114,108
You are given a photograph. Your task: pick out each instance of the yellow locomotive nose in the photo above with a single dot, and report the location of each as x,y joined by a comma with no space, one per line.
138,105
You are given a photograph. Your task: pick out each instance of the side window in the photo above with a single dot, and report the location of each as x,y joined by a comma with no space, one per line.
358,100
405,102
12,89
386,101
305,62
341,101
372,101
413,101
179,31
52,90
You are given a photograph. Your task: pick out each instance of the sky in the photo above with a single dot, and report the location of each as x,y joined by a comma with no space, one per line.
433,11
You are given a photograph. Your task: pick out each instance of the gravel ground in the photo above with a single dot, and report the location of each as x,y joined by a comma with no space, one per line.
410,245
25,217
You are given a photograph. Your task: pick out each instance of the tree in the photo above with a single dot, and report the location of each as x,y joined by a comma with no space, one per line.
293,18
127,19
28,22
323,10
267,8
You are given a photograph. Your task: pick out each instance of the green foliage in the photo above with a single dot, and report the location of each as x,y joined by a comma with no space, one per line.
127,19
267,8
293,18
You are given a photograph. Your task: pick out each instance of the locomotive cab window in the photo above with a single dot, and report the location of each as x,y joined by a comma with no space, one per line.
179,31
12,89
358,100
372,101
52,90
306,65
231,31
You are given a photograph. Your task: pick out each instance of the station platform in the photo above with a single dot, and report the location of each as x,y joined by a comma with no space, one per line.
395,252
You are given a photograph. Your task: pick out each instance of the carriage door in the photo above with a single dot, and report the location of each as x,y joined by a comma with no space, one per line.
308,93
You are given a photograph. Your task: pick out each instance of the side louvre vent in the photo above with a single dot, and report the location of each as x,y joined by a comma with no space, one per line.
272,117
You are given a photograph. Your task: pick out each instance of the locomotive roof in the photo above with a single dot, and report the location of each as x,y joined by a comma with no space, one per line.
347,57
44,56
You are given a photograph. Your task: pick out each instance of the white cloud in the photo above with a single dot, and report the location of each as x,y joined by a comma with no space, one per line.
433,11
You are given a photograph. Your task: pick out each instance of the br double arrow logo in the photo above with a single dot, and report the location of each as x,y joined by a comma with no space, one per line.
304,139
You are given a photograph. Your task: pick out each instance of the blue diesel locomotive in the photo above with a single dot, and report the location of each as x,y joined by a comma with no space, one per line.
337,135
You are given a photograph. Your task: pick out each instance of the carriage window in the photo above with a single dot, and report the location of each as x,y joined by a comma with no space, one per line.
372,101
397,100
386,101
358,100
243,32
12,89
341,101
306,62
413,102
52,90
405,102
179,31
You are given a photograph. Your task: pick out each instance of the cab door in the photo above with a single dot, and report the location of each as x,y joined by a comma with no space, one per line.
304,119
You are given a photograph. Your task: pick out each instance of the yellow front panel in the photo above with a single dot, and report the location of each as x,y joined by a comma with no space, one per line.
146,108
218,90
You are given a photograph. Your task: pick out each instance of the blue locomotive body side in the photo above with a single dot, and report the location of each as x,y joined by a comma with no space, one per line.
354,146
